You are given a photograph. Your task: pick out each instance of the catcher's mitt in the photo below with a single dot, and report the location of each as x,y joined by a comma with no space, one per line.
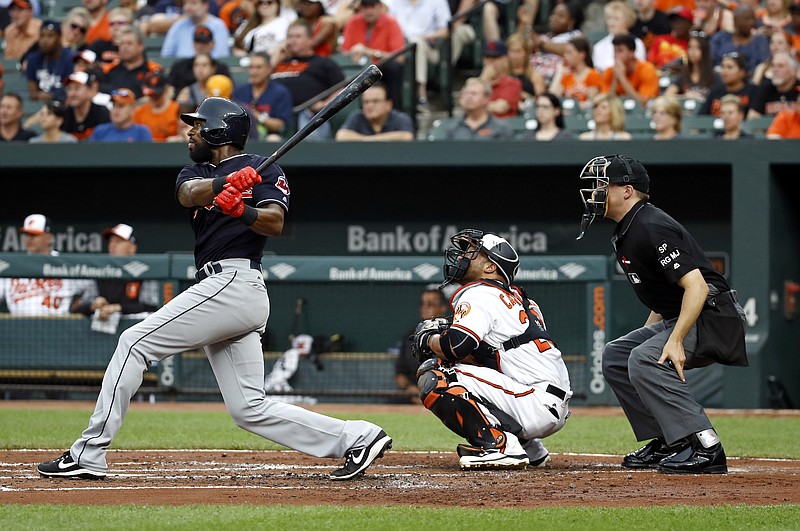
425,329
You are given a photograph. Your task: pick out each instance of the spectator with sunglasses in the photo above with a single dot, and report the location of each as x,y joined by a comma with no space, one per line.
743,39
23,32
121,128
734,79
107,50
74,28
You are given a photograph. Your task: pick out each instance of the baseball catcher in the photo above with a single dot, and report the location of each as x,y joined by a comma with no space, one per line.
494,375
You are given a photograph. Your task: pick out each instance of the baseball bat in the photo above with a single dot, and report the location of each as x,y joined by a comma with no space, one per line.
360,83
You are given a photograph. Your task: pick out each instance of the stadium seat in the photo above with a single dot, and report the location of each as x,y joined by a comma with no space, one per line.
690,106
701,125
152,46
576,123
632,106
638,124
59,9
439,129
340,117
757,126
15,82
521,124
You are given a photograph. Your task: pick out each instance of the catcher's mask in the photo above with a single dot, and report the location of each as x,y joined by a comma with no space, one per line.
600,171
468,244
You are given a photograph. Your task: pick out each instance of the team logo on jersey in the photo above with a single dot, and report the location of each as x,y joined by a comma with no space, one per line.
634,278
282,184
461,310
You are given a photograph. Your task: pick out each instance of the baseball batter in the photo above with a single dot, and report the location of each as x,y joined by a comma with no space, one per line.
494,376
232,211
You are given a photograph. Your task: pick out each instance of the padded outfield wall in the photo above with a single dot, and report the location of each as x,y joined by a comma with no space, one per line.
403,199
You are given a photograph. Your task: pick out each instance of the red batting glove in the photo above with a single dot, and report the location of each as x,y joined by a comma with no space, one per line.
229,200
243,179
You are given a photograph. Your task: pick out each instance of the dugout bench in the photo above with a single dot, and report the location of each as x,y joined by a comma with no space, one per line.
58,354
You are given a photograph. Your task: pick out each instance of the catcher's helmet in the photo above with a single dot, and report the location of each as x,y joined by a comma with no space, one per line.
616,169
468,244
226,122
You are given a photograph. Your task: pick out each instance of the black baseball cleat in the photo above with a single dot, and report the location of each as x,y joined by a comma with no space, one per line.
358,459
651,454
696,460
65,467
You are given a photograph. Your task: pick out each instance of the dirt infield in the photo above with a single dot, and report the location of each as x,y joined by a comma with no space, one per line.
401,478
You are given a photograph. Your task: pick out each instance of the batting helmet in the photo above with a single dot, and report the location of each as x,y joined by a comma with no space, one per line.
225,122
468,244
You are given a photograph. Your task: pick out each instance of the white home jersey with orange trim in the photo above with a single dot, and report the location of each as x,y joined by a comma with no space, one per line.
493,315
44,296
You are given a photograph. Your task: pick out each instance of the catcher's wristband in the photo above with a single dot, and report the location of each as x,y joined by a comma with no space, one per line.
249,216
218,184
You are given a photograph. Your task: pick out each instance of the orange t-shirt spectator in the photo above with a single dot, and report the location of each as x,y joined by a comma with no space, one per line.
100,28
630,77
785,125
160,112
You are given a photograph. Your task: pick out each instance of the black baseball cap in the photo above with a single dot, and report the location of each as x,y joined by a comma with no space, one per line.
203,34
52,25
625,170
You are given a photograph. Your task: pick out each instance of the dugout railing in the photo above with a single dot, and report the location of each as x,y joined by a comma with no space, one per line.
367,302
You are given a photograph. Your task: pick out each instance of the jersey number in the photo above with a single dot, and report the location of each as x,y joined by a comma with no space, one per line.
52,302
541,344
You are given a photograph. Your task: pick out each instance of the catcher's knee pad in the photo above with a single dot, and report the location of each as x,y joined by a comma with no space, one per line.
457,410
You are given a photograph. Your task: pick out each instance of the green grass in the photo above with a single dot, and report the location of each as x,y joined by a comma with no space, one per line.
742,436
57,429
194,517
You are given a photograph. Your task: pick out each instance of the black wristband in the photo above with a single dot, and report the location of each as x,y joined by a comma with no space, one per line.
249,216
218,184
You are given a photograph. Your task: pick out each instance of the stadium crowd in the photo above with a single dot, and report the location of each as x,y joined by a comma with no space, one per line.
123,70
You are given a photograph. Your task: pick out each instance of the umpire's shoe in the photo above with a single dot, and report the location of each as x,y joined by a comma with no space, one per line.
651,454
696,459
65,467
358,459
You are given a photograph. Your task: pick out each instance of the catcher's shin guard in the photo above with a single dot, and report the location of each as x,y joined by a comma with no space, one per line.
460,413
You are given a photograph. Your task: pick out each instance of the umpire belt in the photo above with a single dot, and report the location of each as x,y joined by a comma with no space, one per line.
212,268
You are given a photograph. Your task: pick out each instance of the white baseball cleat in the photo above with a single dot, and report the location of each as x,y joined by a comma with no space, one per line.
473,458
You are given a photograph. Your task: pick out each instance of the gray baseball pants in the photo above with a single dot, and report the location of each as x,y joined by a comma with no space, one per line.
225,314
655,400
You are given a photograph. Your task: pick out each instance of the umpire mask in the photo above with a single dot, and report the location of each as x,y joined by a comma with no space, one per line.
615,169
594,199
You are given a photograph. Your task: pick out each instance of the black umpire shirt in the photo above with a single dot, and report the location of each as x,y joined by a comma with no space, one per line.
655,251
